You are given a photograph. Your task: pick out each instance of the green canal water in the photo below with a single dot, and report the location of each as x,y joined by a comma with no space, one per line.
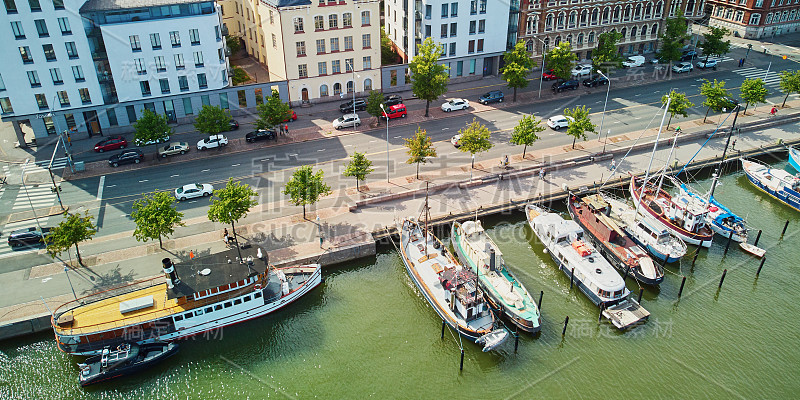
367,332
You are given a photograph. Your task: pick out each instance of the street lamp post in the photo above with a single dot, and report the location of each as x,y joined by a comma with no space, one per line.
35,218
603,118
544,57
52,178
387,142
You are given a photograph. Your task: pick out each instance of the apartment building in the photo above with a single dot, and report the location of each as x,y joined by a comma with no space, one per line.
756,19
473,33
94,65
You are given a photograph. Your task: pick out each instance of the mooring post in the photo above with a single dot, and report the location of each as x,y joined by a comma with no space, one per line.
680,291
442,329
728,245
566,322
696,253
571,275
541,293
516,342
786,225
600,318
625,277
461,368
757,238
724,271
761,265
641,292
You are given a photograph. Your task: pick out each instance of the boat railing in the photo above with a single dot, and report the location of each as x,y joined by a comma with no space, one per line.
106,294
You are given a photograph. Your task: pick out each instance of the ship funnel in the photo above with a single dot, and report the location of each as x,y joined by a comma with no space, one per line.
492,260
170,273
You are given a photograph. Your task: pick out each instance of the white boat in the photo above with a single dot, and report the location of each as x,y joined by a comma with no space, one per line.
450,288
775,182
594,276
504,291
794,158
720,219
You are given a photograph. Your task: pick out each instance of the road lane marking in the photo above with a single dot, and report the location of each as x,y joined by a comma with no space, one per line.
205,170
444,129
397,137
174,176
110,186
320,150
373,141
100,187
144,180
235,165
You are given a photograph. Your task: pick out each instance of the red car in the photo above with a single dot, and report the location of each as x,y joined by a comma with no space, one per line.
395,111
293,116
112,143
548,75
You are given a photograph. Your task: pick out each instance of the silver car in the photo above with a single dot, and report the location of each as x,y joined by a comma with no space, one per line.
173,148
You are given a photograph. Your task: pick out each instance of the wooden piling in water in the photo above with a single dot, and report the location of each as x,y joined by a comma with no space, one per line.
724,271
728,245
757,238
680,291
600,318
786,225
571,275
516,342
541,294
696,253
763,259
461,368
641,292
442,329
566,322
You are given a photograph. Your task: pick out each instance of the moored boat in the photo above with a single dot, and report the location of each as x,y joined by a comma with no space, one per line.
594,276
504,291
720,218
593,214
126,359
794,158
659,242
775,182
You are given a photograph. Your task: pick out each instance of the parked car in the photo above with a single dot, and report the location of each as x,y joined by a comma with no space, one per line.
557,122
395,111
212,142
360,105
233,125
563,85
141,143
680,68
391,100
633,61
193,190
346,121
112,143
711,63
31,236
581,70
292,116
261,134
456,140
455,104
596,81
548,75
688,55
173,148
126,157
492,97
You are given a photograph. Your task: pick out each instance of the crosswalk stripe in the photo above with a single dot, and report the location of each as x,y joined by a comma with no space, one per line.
23,224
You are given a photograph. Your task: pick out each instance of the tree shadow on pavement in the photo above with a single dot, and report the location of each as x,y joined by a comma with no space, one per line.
112,278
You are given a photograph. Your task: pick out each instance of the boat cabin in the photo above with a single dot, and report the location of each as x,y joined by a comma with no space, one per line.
461,286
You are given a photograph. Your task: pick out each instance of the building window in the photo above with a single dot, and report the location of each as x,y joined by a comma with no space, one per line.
348,65
41,28
11,8
333,21
217,33
428,11
452,49
482,8
198,59
55,74
16,27
298,25
320,46
471,47
274,41
155,41
35,5
480,45
112,117
187,106
161,66
49,52
302,70
453,29
334,45
33,78
141,68
364,18
347,20
194,36
348,43
5,102
444,10
319,22
85,97
135,45
453,9
322,68
63,25
367,84
63,98
654,29
145,86
336,67
367,62
460,68
72,50
473,26
131,114
202,82
179,61
77,73
443,32
164,84
301,48
427,31
183,83
759,3
482,26
175,38
323,90
350,87
366,41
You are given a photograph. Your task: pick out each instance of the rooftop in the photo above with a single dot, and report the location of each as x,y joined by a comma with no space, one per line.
109,5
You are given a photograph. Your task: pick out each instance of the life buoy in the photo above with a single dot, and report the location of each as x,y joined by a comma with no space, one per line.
713,209
257,287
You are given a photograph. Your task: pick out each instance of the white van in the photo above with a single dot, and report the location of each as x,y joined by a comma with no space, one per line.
633,61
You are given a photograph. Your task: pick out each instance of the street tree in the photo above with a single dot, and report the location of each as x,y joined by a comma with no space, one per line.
518,66
790,83
234,43
713,43
420,148
672,38
388,55
677,106
429,78
306,187
475,139
69,232
525,133
358,167
561,60
715,94
272,113
374,102
212,120
230,204
581,124
753,92
155,217
606,56
151,127
239,76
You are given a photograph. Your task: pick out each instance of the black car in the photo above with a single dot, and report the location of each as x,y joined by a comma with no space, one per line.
233,125
688,55
388,101
348,107
27,236
563,85
261,134
596,81
126,157
491,97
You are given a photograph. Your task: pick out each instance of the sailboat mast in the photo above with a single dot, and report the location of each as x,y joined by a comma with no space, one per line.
664,171
652,156
426,218
724,151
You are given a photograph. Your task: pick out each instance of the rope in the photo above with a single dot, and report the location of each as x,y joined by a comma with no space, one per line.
611,175
704,143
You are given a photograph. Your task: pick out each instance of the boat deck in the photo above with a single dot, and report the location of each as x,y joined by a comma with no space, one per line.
626,314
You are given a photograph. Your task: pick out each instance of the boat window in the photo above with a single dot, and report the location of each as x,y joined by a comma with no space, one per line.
218,307
178,318
237,301
187,315
227,304
198,313
257,295
208,310
246,298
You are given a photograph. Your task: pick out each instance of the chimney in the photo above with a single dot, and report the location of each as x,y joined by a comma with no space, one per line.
170,273
492,261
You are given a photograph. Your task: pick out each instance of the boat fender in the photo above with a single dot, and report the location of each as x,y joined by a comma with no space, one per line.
257,287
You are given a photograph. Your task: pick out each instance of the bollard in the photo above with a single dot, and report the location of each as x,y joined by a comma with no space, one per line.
757,238
784,228
696,253
625,277
600,318
462,361
724,271
442,329
728,245
541,293
641,292
761,265
566,322
680,291
571,275
516,342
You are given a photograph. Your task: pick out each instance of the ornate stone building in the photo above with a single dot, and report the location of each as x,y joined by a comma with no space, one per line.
755,19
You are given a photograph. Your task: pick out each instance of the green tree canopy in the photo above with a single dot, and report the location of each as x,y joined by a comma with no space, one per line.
358,167
713,43
518,66
581,124
429,78
212,120
239,76
69,232
714,92
753,92
306,187
475,139
525,133
151,127
678,106
672,38
388,55
230,204
374,102
155,216
561,60
272,113
420,148
790,83
606,56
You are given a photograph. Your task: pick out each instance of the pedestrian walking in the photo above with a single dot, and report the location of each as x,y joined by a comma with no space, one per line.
733,145
774,110
280,129
286,129
613,164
